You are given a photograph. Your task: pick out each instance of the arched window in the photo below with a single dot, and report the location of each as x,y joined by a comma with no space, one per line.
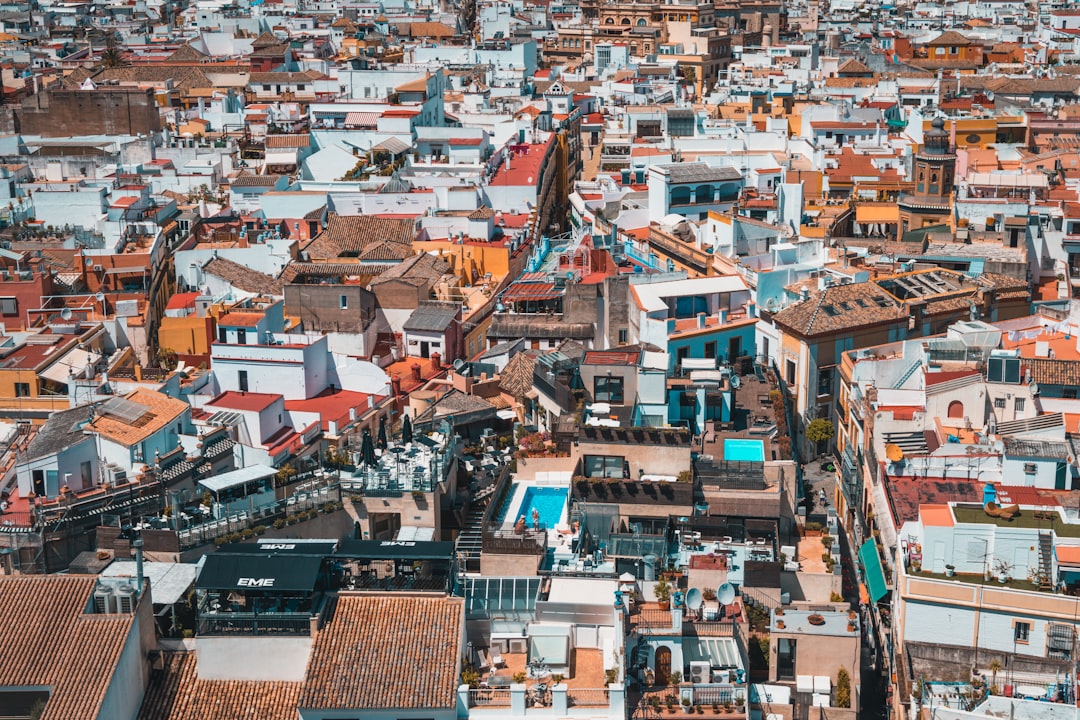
642,22
625,21
956,409
609,21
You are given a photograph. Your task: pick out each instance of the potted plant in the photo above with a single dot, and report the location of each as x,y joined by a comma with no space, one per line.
950,570
687,705
740,703
675,678
662,590
1002,568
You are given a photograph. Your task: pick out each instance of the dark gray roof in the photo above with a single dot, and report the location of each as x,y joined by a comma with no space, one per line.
538,326
62,430
462,407
432,317
700,172
1035,448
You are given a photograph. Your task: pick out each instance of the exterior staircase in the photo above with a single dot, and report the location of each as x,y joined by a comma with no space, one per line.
470,540
1046,559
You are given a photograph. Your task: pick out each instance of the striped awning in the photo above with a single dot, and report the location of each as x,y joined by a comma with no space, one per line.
522,292
362,119
392,145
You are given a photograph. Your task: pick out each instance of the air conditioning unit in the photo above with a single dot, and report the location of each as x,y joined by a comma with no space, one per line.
125,599
104,601
519,645
700,671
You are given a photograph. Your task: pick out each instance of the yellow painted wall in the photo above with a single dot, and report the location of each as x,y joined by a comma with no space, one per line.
185,335
494,259
9,377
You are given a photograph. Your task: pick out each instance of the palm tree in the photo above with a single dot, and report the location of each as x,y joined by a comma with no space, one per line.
995,668
112,57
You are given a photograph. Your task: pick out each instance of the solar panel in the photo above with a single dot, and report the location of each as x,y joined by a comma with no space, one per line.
125,410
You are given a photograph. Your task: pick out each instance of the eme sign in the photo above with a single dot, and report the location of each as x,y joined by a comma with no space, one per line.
278,546
397,543
255,582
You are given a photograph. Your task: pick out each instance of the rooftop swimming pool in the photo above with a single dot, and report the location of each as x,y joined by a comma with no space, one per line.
548,502
743,450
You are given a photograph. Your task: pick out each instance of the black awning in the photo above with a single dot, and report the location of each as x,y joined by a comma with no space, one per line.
266,573
395,550
281,547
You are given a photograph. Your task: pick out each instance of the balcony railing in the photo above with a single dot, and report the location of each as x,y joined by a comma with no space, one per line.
508,542
488,697
717,693
245,623
711,628
587,697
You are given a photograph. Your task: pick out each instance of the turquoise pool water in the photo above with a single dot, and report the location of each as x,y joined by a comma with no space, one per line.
743,450
547,501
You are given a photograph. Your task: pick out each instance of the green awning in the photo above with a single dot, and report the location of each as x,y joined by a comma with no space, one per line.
875,576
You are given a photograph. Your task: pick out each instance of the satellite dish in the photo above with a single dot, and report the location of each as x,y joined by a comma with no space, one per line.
65,314
458,364
694,599
725,594
735,382
894,453
100,297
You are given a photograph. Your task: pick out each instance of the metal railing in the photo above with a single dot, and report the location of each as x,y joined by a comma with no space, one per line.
259,515
718,693
651,619
587,697
488,697
508,542
246,623
712,628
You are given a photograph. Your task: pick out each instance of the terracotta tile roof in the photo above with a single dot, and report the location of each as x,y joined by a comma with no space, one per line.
1052,372
950,37
161,410
423,268
301,270
51,642
854,67
183,77
255,180
287,141
386,250
186,53
517,377
284,78
371,655
839,308
425,29
244,278
178,694
350,234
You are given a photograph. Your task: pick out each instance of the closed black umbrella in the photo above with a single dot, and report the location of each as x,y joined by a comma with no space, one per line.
406,429
381,440
367,449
